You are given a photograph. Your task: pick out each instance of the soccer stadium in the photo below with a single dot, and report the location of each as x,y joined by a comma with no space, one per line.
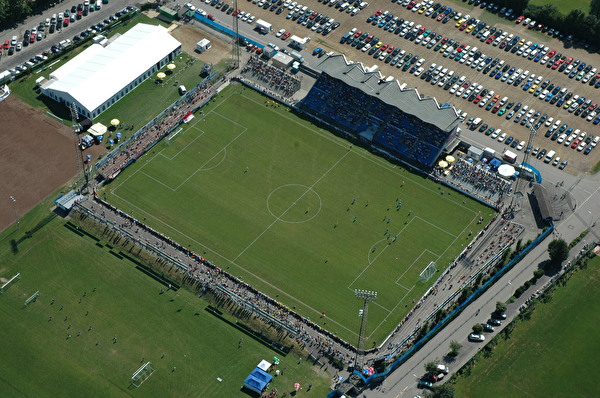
293,210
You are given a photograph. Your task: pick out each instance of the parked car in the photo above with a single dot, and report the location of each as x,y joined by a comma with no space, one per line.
478,338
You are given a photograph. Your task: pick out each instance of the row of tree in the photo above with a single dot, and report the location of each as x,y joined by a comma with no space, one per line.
14,11
585,26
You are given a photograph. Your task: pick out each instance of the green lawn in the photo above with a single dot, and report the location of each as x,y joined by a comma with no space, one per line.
287,224
39,361
554,354
565,7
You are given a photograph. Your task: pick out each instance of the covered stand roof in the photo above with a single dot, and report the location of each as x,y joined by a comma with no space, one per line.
257,380
98,73
390,91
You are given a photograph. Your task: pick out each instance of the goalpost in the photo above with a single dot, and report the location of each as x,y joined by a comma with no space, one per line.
9,282
142,374
428,272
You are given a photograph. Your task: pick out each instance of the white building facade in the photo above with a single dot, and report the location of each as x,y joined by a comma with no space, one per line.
103,74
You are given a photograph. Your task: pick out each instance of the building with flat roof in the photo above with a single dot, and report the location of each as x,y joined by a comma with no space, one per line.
379,110
104,73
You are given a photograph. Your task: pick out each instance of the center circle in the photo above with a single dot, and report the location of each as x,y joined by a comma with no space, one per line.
294,203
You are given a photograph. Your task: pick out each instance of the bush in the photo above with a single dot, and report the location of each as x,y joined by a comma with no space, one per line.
538,273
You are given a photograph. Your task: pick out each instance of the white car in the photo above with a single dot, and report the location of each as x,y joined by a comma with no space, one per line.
521,146
549,121
476,337
190,6
502,137
280,32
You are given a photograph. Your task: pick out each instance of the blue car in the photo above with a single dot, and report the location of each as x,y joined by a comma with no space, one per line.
548,97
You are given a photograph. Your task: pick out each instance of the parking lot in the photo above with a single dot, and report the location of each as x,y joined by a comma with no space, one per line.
577,161
59,34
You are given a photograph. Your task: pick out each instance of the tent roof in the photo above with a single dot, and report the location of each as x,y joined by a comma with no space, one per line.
98,73
257,380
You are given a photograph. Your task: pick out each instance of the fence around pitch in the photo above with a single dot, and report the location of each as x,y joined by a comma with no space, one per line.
378,376
100,163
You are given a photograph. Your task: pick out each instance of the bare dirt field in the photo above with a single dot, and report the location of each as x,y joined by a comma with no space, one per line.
37,156
189,35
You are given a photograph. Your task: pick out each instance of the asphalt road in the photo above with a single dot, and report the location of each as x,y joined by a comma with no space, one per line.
74,28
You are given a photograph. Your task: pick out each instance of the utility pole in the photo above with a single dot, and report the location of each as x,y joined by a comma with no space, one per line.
366,296
14,202
236,38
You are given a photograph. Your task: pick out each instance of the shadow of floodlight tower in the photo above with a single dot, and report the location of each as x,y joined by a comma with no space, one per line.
366,296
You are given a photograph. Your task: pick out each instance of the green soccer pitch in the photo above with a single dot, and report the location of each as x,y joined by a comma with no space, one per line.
297,212
83,285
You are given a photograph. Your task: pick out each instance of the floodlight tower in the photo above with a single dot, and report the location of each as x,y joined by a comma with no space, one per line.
515,203
236,54
366,296
79,153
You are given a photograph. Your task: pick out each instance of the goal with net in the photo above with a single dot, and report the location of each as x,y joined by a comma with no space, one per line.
428,272
142,374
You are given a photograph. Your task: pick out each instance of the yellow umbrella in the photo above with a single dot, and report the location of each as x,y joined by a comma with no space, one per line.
114,122
443,164
171,66
161,75
450,159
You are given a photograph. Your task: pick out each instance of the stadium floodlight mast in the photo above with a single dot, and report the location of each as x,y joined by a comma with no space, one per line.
366,296
518,195
14,202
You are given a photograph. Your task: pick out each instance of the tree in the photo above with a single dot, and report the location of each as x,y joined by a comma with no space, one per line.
442,391
595,8
455,347
574,20
477,328
558,251
500,307
431,367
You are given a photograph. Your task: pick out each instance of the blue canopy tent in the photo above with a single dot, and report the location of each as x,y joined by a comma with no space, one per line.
495,163
257,380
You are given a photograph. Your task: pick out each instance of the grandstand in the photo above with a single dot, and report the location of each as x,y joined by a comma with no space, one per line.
380,111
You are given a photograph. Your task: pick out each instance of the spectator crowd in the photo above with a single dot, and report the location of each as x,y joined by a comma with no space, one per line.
274,78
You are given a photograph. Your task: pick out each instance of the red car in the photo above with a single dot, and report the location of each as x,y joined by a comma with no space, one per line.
575,144
285,35
441,16
477,99
211,17
520,19
411,5
569,60
390,49
463,26
6,44
384,47
358,33
379,12
495,108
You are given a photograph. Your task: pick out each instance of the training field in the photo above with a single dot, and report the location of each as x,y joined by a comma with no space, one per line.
298,212
554,354
39,361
